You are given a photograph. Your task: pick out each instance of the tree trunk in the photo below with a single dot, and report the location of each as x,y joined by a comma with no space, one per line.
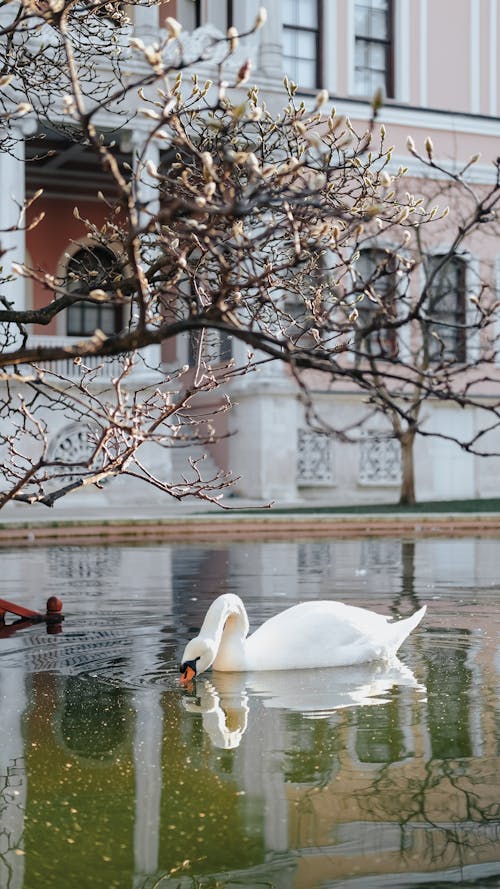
407,494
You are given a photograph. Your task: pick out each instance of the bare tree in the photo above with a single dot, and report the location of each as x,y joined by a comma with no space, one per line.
226,220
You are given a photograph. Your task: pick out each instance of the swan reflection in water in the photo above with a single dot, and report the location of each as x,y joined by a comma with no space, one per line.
223,699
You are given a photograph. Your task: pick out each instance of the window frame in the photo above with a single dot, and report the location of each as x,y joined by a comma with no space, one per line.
317,31
388,43
442,354
386,340
79,308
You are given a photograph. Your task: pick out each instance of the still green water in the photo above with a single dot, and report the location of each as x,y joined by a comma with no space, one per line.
111,775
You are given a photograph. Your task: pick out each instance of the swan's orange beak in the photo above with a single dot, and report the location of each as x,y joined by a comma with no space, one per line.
188,672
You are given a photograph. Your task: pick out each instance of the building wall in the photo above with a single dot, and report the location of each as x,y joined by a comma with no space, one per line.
446,86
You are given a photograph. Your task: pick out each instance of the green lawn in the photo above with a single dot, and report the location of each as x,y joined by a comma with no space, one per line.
429,506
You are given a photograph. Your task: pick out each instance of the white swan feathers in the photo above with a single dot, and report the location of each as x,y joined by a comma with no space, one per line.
313,634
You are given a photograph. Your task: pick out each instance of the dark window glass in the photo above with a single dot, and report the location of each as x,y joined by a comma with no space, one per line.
373,61
90,269
377,308
449,683
379,737
216,347
445,329
301,45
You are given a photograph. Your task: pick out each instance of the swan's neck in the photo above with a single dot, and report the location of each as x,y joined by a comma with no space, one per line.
226,610
226,623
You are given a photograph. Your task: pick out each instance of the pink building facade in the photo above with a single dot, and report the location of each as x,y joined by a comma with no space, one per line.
437,66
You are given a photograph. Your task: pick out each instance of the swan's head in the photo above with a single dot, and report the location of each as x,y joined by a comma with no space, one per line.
199,655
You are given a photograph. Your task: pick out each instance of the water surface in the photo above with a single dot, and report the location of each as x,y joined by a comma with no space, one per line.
111,775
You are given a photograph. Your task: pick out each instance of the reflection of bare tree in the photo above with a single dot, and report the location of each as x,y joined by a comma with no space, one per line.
276,873
11,822
437,808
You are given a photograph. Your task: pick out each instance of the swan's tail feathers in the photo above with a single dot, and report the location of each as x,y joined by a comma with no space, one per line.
403,628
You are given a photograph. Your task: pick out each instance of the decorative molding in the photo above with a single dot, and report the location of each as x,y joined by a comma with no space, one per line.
477,173
379,459
423,118
72,446
314,459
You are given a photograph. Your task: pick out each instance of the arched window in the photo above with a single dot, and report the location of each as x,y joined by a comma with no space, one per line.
91,268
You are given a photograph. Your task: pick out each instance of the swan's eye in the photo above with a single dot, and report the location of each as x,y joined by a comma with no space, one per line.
188,671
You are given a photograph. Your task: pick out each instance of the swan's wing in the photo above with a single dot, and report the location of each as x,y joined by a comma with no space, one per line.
317,634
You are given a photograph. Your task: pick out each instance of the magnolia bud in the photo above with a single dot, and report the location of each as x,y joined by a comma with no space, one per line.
173,27
261,17
232,36
244,72
321,98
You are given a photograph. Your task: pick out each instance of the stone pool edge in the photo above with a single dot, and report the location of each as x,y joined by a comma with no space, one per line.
232,527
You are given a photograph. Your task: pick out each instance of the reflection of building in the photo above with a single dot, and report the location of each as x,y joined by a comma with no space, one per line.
351,48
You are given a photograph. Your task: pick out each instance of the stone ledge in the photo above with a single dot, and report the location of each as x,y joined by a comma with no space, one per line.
233,527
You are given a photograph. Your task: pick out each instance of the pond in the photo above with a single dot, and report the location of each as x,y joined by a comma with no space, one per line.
112,775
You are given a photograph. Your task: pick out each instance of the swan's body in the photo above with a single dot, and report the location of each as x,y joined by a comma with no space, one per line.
314,634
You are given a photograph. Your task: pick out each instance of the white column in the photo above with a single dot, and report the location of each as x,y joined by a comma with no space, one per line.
12,773
12,189
350,37
424,56
148,782
403,51
147,193
330,60
263,448
493,58
475,57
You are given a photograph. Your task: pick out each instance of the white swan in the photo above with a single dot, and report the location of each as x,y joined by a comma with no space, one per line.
313,634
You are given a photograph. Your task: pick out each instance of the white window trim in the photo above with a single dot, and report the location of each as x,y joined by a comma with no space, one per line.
402,51
493,70
472,277
496,285
330,59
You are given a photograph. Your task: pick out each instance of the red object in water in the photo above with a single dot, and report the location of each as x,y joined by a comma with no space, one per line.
54,607
53,612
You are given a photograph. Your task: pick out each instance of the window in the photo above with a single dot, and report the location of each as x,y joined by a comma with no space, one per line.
445,328
379,459
373,60
90,269
377,306
301,57
216,347
314,459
